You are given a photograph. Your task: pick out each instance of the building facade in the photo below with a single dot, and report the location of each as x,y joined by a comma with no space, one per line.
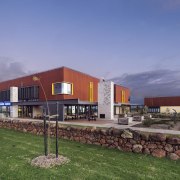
69,93
162,104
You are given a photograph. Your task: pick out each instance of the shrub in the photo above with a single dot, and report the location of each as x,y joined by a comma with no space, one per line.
147,122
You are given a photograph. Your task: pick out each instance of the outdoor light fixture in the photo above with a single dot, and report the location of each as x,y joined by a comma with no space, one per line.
35,78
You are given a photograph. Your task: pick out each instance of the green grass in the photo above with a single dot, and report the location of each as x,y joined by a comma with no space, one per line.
87,161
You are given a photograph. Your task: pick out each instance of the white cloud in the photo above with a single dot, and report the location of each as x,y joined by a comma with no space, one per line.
151,83
10,69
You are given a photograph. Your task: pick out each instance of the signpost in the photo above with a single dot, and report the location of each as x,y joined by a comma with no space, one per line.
6,103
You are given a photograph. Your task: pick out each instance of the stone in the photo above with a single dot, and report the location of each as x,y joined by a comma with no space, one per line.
146,151
128,145
119,148
97,143
152,146
116,144
142,142
159,153
178,152
117,132
89,142
174,156
137,148
176,148
168,148
49,161
103,132
173,140
83,140
110,141
110,131
102,141
34,131
127,134
132,141
24,130
136,135
76,138
157,137
145,137
120,141
160,146
126,149
116,139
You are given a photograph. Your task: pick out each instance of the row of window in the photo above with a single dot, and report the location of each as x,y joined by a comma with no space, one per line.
28,93
154,110
24,94
5,95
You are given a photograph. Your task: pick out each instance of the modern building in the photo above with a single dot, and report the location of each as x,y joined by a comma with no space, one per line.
69,93
162,104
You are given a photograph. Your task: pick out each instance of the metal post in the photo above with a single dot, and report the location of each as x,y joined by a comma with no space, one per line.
45,136
46,126
57,129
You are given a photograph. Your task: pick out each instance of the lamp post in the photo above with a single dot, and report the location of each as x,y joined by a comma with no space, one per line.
35,78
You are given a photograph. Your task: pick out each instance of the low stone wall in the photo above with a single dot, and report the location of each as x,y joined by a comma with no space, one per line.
158,145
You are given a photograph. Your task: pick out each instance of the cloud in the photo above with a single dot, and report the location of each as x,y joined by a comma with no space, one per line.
169,4
151,83
10,69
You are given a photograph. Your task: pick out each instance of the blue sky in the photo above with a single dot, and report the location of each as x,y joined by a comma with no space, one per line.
101,37
105,38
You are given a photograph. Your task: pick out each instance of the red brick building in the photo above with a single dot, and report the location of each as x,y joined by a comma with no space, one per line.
162,104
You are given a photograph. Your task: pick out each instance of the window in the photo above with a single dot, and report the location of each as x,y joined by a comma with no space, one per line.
30,93
123,96
91,92
5,95
62,88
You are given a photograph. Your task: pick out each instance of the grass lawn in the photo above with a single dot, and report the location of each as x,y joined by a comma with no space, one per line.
87,161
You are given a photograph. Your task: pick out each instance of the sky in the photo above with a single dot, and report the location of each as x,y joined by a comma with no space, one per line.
112,39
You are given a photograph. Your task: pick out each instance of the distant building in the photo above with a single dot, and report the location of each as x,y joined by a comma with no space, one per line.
71,93
162,104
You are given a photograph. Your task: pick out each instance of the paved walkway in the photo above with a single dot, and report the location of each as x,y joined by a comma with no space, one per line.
117,126
106,124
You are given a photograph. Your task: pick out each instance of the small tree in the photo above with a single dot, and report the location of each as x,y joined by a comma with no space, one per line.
167,111
145,109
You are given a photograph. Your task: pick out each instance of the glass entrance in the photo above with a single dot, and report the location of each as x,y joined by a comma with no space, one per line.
79,111
25,111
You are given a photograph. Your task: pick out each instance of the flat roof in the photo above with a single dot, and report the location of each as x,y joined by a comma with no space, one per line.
153,97
49,70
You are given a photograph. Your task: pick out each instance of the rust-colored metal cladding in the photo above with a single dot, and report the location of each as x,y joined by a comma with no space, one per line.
162,101
81,85
121,94
46,79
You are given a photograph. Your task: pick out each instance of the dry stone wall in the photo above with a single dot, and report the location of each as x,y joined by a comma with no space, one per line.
158,145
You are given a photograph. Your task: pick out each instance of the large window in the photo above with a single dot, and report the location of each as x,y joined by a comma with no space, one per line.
154,110
28,93
5,95
62,88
